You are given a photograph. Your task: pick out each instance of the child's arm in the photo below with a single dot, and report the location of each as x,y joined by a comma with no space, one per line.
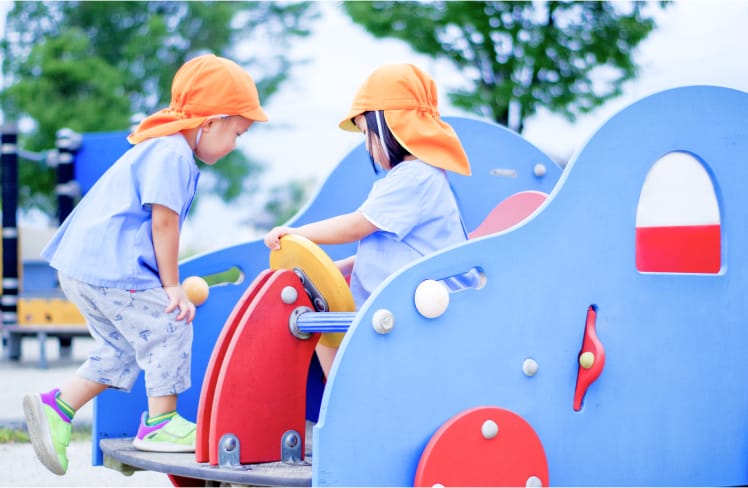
165,228
342,229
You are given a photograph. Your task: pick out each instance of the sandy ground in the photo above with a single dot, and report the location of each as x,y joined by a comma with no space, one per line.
18,463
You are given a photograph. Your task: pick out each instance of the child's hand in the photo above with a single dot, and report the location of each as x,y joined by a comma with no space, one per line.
272,238
178,300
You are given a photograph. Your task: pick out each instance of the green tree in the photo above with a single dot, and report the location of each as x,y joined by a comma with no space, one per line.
518,56
90,65
284,201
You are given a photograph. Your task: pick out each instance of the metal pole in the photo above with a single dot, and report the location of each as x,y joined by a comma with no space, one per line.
325,321
67,189
9,299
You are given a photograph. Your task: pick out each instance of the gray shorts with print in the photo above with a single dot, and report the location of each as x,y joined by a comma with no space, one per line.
133,333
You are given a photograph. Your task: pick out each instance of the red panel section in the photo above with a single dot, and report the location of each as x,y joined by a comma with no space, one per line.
510,211
591,343
679,249
459,455
177,480
207,392
261,387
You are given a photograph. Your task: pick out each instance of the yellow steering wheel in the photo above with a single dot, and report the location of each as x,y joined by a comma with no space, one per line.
319,273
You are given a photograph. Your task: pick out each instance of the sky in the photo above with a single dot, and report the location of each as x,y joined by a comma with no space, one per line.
696,42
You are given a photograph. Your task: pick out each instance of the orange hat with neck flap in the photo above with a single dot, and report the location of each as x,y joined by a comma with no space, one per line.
205,86
408,98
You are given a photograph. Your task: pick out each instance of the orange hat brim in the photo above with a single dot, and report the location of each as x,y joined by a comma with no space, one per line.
165,123
408,98
430,139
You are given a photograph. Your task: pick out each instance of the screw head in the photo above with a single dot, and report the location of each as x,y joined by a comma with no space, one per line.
229,444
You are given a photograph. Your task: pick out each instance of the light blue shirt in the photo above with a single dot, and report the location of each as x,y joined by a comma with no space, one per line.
107,239
417,214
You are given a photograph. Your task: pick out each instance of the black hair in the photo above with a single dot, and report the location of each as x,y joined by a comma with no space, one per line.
395,151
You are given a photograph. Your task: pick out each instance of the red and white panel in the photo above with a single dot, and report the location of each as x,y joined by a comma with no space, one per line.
678,218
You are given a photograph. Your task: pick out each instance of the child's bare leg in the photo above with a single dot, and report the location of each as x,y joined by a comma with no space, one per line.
79,391
326,356
161,404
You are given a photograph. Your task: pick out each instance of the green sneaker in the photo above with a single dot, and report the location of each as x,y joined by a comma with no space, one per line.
173,435
48,430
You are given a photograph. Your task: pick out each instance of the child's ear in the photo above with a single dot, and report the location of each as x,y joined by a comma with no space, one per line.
208,124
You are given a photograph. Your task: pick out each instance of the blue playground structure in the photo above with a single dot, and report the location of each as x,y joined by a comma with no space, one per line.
601,344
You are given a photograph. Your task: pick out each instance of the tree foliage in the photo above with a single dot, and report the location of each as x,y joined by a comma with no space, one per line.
91,65
518,56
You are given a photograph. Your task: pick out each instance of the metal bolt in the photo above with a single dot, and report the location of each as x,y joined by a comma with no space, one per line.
292,440
229,444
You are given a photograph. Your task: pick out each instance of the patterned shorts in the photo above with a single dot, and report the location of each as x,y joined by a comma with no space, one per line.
133,333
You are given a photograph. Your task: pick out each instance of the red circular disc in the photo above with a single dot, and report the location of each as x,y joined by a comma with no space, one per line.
459,454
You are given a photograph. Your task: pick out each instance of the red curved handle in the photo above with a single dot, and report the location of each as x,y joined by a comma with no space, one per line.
591,359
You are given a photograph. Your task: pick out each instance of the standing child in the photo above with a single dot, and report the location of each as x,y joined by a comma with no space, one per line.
411,212
117,259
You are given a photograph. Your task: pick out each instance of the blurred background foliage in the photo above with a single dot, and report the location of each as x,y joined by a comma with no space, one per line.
91,65
518,56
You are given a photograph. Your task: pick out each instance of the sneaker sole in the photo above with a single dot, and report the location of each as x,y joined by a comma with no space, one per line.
41,437
151,446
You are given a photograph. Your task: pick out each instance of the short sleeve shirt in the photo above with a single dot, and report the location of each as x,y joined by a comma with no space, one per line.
107,240
416,213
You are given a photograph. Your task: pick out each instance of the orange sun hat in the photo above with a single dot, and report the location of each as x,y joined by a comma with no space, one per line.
204,86
407,95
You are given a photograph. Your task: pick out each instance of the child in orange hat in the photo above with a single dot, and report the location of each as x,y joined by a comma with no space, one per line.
117,259
412,211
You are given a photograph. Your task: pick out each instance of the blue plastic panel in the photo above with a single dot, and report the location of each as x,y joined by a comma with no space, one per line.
670,407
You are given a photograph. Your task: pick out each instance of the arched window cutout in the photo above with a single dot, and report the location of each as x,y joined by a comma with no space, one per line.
678,220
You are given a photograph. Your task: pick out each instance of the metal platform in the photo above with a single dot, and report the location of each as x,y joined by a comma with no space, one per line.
120,455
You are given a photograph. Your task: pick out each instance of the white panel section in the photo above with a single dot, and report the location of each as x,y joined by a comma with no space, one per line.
677,191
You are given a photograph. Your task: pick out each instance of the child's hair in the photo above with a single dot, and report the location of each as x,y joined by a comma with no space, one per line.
395,151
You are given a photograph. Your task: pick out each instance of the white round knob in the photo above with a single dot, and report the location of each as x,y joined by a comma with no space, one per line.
529,367
533,482
383,321
489,429
289,295
539,169
431,298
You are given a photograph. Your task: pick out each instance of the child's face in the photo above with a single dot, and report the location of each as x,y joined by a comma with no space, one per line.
372,143
219,137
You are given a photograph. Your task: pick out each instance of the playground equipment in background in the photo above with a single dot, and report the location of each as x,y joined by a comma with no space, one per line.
32,303
590,352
